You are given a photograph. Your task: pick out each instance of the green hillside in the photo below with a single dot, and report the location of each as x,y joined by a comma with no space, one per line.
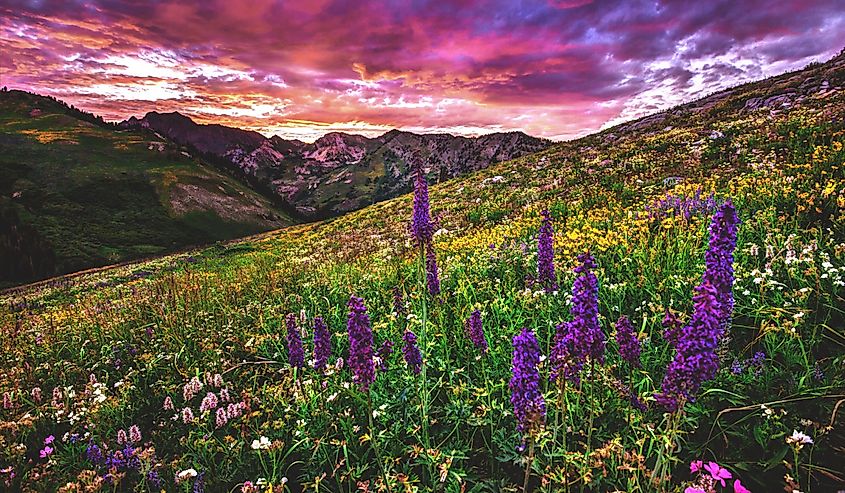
77,193
165,345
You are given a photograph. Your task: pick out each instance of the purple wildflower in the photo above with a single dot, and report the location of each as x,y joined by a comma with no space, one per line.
398,301
209,402
411,352
322,343
695,358
475,331
384,352
671,327
94,454
587,339
296,354
221,417
422,227
629,344
199,483
718,261
546,254
431,276
529,408
563,358
360,344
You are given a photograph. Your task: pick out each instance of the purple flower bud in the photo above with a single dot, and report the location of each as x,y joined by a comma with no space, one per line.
411,352
422,227
322,344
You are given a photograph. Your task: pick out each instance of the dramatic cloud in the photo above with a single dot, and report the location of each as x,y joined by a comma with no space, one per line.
552,68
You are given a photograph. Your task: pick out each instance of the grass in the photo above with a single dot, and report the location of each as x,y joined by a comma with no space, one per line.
118,343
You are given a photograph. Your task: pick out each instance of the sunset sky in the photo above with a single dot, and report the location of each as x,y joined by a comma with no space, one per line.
557,69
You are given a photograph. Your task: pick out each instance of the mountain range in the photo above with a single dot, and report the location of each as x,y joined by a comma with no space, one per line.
339,172
79,192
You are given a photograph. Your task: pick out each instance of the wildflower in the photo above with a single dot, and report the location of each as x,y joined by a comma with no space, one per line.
695,466
296,354
262,443
221,417
582,337
411,352
475,331
384,352
94,454
187,415
818,373
717,472
191,388
249,487
209,402
422,227
562,356
49,440
121,437
546,254
186,475
322,344
398,302
739,488
168,403
526,397
360,344
797,440
695,358
217,381
7,400
431,275
629,344
671,327
718,260
134,434
36,394
154,478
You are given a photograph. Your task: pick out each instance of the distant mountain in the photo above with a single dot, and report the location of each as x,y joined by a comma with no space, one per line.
77,192
339,172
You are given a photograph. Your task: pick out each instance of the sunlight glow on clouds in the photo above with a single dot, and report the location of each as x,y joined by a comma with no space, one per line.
556,69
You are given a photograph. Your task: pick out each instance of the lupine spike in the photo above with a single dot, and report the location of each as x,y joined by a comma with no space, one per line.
529,407
360,344
475,331
296,352
431,275
322,343
411,352
629,344
546,254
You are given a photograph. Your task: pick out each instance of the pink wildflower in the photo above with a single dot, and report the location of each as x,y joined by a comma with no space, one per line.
739,488
121,437
36,394
187,415
209,402
695,466
168,403
46,452
134,434
221,417
718,473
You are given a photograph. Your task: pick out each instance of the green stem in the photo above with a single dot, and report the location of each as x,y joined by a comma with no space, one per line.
374,441
528,465
424,345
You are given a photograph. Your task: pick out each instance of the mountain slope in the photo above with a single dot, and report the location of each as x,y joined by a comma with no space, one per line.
78,193
339,172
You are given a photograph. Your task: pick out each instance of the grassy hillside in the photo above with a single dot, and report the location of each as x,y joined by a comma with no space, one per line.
78,194
120,347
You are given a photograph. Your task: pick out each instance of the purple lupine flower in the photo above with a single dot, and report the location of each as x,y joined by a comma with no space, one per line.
94,454
629,344
737,367
431,276
360,344
422,227
199,483
586,339
529,408
546,254
695,358
564,360
475,331
296,353
718,261
322,343
398,301
134,434
411,352
384,352
153,478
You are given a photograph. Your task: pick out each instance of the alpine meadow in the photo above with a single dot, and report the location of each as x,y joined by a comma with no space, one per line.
656,304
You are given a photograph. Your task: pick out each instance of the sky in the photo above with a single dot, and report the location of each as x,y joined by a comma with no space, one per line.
558,69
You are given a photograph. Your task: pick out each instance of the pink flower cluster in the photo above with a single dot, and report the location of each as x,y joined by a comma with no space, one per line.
709,475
